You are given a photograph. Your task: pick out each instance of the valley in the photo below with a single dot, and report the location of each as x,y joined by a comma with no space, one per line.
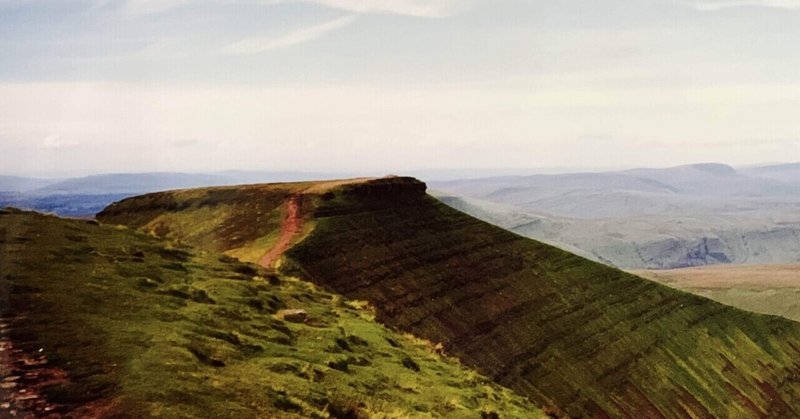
769,289
676,217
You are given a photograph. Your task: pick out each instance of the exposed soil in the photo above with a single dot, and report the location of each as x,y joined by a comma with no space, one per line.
22,376
291,226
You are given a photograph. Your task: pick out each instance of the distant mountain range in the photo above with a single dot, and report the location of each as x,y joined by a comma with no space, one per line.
22,184
692,215
648,218
85,196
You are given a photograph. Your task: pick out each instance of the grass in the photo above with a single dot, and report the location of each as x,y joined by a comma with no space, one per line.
146,327
578,337
558,328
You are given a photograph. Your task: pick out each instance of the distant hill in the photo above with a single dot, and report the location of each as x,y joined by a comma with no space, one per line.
85,196
139,183
782,172
22,184
651,241
682,190
647,218
129,183
576,336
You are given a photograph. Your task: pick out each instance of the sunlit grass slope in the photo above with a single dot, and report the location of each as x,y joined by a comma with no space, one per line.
241,221
571,334
145,328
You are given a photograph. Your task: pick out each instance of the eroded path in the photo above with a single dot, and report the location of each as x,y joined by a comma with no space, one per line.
22,375
290,227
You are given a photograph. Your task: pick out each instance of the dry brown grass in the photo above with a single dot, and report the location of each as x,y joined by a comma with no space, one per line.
728,276
768,289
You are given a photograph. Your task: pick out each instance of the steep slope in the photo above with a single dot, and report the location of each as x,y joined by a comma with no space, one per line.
98,321
566,332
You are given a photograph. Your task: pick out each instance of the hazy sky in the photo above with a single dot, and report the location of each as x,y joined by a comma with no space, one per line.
141,85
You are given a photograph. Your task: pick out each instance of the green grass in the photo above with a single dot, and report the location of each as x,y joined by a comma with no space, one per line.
240,221
152,328
570,334
553,326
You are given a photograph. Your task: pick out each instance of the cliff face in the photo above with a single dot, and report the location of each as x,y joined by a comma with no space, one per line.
566,332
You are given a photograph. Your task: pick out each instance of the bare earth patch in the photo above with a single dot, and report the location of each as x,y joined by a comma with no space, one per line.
292,225
22,376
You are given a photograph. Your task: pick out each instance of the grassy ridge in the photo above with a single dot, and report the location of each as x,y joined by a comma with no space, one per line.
241,221
589,339
145,328
566,332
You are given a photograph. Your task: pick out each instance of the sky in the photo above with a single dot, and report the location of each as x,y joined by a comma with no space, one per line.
91,86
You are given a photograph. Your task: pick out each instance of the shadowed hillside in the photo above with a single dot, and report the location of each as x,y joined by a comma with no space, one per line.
100,321
567,332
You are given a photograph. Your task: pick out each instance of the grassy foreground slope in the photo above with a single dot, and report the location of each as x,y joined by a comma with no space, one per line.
569,333
101,321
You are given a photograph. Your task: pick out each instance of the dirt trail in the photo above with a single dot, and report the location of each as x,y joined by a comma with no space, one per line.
291,226
22,376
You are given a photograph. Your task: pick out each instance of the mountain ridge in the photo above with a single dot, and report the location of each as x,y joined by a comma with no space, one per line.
566,332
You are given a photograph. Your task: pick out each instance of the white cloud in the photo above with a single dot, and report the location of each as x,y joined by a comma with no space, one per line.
420,8
55,141
711,5
261,44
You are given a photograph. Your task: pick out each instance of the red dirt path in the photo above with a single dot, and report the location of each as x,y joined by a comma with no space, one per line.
290,227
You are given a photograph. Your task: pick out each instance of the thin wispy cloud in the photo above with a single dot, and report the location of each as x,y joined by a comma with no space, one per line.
260,44
712,5
419,8
333,83
56,141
